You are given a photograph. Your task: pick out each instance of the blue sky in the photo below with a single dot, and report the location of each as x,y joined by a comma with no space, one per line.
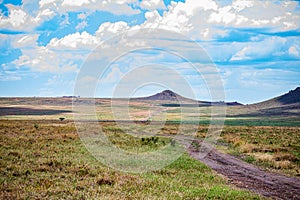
255,45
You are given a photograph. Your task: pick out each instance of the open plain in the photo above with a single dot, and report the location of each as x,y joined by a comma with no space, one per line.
256,156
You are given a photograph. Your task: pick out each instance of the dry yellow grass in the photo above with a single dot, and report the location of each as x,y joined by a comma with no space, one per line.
263,157
276,148
247,148
285,164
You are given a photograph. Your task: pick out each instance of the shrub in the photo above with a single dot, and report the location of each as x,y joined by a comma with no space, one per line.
36,126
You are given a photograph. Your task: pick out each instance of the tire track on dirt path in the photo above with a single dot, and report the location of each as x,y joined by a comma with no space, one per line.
245,175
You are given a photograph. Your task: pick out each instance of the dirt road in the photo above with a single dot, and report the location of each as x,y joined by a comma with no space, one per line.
245,175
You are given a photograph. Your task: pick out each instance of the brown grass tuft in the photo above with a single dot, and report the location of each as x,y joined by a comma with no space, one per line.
285,164
263,157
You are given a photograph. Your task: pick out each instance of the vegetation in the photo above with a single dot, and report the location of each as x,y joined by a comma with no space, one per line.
61,118
51,162
275,148
42,157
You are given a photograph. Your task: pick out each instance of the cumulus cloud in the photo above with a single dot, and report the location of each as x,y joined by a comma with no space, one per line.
207,20
76,40
43,58
116,7
18,19
62,54
200,20
152,4
257,14
108,29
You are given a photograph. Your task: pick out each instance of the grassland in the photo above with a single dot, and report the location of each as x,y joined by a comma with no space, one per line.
46,159
43,157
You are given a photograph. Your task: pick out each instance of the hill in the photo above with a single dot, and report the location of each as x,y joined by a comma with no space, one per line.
174,98
286,105
292,98
166,95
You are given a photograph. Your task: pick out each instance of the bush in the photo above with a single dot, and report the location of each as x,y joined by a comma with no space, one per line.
36,126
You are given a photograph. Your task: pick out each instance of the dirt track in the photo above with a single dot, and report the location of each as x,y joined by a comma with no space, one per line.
245,175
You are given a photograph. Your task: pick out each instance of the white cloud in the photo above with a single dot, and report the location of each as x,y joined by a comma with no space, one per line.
242,4
16,19
19,20
114,76
108,29
293,51
207,20
152,4
223,16
46,62
188,18
25,41
43,59
64,54
82,17
194,18
275,15
47,2
44,14
81,25
271,46
116,7
75,41
75,3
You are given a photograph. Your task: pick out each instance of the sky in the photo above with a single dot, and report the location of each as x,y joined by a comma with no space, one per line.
253,45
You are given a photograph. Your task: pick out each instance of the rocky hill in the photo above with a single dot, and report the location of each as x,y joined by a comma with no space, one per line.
292,98
174,98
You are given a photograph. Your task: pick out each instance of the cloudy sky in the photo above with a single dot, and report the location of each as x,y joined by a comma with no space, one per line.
255,45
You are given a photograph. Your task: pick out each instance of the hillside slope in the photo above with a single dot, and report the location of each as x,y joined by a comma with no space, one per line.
284,105
288,99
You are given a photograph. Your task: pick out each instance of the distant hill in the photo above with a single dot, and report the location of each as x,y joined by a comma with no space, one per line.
166,95
288,99
174,98
291,97
286,105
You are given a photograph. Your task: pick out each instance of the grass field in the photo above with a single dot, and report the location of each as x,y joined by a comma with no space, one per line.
46,159
43,157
